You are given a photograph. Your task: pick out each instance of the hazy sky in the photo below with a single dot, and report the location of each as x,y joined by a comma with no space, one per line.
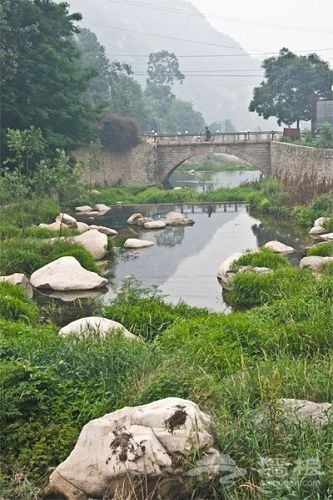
266,26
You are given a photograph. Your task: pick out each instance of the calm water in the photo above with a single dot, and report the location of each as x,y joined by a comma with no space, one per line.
184,260
203,181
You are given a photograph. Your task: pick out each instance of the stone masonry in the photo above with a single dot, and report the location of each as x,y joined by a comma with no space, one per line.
304,171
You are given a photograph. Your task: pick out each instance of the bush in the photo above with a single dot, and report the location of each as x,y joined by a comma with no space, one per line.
54,386
15,304
328,225
16,259
118,133
264,257
322,249
66,248
250,289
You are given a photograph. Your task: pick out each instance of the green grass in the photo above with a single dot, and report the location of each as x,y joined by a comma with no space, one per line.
234,366
322,250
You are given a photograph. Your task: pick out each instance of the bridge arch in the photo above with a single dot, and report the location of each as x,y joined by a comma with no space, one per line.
170,157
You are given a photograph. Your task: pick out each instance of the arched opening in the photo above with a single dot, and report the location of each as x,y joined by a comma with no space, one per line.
210,171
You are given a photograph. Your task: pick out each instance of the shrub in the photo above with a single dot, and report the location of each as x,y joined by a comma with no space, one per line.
54,386
118,133
328,225
14,303
322,249
250,289
261,258
16,259
66,248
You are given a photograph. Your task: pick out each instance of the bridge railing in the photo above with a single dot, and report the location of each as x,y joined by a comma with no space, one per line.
217,138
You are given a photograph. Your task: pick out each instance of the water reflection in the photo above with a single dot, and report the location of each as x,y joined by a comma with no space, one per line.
170,236
207,181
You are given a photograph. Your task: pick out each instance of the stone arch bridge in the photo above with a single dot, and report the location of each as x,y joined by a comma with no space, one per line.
304,171
172,150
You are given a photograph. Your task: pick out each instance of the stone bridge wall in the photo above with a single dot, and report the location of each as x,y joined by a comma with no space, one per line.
136,167
305,172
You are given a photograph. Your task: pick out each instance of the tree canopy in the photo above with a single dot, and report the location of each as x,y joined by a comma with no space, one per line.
43,84
290,81
163,70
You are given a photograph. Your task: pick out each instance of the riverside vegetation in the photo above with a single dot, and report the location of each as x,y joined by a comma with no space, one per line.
277,343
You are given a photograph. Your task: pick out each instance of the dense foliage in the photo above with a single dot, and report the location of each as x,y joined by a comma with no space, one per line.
154,108
43,84
290,81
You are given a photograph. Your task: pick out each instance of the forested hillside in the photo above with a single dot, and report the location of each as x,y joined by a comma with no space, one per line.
131,30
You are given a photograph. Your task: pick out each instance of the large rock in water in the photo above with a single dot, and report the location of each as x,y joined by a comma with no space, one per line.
136,243
224,273
96,324
142,447
177,219
278,247
66,273
95,242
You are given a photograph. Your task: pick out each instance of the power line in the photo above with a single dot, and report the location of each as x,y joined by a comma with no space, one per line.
245,53
164,36
179,56
224,18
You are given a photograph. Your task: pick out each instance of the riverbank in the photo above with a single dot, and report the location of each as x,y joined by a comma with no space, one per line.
237,368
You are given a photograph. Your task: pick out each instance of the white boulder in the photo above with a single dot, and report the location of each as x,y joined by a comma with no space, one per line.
82,227
144,445
95,242
100,207
155,224
301,410
67,219
84,208
177,219
224,273
278,247
134,218
136,243
66,273
105,230
326,237
314,262
320,221
21,280
96,324
54,226
317,230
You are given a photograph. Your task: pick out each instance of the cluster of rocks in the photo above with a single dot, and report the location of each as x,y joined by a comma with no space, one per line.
226,271
319,232
170,219
66,274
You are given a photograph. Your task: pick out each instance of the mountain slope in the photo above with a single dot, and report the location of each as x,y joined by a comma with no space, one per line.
131,29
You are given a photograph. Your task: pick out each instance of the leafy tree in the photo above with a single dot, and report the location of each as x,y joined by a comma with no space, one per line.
92,57
181,117
117,133
290,80
43,84
224,126
163,70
